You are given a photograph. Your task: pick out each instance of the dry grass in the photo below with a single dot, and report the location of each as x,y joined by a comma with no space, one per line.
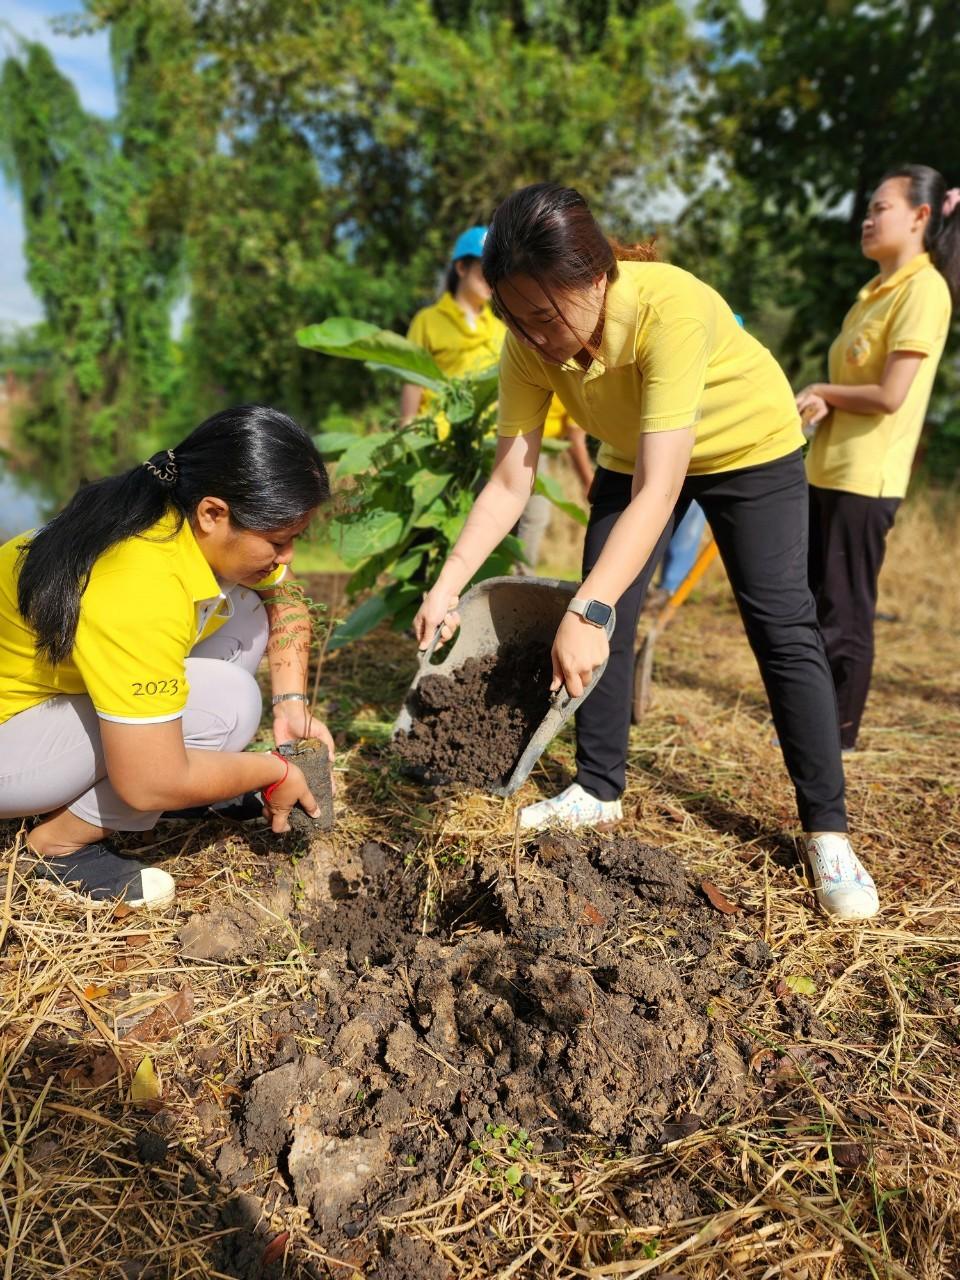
848,1162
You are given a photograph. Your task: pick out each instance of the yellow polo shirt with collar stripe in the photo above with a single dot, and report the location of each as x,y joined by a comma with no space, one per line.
444,331
871,453
672,355
149,600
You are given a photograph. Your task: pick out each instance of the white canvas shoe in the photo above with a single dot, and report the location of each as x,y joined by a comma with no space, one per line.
572,808
844,886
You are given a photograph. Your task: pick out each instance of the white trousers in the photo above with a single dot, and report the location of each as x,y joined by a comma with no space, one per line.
51,755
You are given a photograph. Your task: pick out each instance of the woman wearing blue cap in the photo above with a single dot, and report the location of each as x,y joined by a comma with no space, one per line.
459,329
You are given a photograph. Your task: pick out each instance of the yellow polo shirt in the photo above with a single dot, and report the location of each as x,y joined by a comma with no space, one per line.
672,355
149,600
872,453
443,330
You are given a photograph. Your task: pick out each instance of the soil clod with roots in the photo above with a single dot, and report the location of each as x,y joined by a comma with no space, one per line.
566,1002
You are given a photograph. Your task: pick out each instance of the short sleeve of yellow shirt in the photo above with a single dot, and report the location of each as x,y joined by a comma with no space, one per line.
674,364
132,638
525,392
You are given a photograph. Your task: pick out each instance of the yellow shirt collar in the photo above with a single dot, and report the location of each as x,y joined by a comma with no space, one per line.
449,306
197,574
876,285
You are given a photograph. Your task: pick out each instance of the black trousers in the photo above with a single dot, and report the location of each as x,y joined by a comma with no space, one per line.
759,520
848,538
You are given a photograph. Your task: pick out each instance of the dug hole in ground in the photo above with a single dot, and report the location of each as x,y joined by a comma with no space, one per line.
423,1048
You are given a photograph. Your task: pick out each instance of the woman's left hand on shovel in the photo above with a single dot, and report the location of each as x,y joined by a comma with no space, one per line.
578,649
439,609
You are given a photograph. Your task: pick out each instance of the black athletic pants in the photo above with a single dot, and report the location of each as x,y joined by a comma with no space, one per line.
848,536
759,520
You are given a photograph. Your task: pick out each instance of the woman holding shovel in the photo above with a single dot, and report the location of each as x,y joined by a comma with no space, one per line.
130,630
870,414
687,406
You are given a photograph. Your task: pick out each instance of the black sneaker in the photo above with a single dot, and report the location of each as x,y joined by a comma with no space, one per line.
98,872
239,809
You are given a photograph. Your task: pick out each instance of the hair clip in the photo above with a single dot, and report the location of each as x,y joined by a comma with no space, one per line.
167,473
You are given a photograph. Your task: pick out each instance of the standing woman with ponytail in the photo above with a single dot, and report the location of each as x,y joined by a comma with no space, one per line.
130,630
688,406
870,414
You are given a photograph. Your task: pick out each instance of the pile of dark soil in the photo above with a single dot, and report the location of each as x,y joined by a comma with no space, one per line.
473,725
570,1000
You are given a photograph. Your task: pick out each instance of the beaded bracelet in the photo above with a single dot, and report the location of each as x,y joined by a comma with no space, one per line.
268,791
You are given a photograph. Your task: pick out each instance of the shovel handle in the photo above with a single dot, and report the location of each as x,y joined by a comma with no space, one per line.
427,653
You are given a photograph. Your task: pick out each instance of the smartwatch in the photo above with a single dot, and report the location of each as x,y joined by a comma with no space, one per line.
595,612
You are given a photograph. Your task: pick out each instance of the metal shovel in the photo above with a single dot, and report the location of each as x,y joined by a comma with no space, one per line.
495,613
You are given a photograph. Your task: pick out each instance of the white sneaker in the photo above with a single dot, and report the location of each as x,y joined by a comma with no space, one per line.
571,808
844,886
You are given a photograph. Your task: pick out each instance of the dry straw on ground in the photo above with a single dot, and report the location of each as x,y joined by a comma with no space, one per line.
844,1164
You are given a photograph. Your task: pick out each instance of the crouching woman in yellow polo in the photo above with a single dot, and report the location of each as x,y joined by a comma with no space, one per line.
130,629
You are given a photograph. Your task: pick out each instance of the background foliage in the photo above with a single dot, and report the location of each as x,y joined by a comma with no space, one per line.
282,161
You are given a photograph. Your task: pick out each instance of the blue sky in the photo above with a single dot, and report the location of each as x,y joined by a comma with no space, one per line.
86,60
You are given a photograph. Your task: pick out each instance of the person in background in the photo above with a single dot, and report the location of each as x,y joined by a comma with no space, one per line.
870,413
131,626
651,361
459,330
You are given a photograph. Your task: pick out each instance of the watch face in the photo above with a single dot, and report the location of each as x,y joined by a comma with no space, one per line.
598,613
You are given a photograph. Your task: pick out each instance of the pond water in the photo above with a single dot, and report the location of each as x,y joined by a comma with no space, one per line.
24,501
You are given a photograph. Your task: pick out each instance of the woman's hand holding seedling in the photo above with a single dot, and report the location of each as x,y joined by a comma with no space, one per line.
285,796
292,720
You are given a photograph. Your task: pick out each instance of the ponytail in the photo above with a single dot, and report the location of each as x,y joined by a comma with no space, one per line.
454,278
941,239
261,463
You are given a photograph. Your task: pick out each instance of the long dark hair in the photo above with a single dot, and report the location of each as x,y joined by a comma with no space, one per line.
547,232
256,459
941,238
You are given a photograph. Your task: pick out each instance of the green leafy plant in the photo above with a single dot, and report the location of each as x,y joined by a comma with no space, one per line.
411,491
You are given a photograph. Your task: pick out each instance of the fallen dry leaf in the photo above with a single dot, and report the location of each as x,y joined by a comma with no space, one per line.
591,915
849,1155
121,911
717,899
163,1021
137,939
145,1086
93,992
275,1248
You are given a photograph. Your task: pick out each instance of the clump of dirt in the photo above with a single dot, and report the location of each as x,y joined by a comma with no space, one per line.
568,997
473,725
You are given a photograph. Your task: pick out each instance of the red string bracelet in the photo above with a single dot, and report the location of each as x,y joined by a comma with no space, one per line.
268,791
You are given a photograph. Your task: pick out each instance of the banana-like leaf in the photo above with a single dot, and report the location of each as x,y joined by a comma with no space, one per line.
363,619
379,348
550,489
